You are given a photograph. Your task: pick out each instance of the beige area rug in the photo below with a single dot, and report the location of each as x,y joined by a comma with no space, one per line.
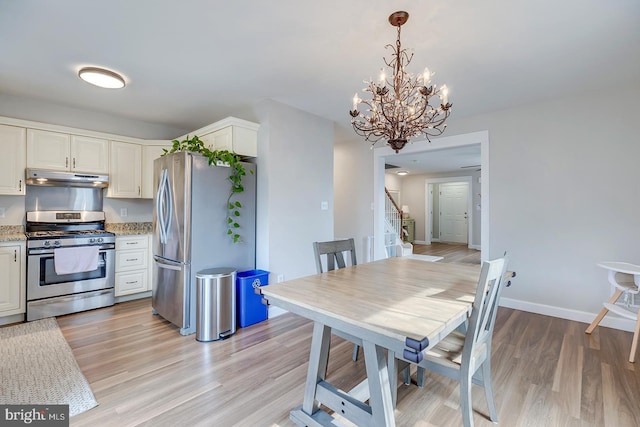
37,367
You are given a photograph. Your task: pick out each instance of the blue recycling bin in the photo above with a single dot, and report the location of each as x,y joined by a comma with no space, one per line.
250,308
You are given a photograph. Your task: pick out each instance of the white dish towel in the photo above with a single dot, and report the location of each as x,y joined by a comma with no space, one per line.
75,260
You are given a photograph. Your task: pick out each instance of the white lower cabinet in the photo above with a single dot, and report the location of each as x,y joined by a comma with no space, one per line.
132,264
12,278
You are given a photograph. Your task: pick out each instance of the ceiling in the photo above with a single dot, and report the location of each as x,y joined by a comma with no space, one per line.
192,62
461,159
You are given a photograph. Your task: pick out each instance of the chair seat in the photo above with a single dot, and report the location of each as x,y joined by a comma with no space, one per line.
625,278
448,352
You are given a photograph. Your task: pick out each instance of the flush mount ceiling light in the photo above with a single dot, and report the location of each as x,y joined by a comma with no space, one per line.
101,77
403,173
399,107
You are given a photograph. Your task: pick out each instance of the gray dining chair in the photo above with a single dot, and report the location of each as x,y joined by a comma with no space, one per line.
466,357
333,252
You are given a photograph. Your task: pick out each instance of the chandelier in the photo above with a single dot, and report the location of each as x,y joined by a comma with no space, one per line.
399,107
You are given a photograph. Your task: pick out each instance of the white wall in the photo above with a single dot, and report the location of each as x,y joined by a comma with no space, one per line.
138,210
564,195
45,112
414,192
295,174
353,194
14,210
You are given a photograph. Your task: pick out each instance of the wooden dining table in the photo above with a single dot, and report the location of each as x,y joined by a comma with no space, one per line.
401,305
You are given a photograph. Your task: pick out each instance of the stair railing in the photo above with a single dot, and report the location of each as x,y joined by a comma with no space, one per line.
393,214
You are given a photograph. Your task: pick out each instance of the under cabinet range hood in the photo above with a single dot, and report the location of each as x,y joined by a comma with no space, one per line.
65,179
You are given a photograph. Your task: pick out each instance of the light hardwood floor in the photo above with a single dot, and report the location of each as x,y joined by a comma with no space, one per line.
452,252
547,372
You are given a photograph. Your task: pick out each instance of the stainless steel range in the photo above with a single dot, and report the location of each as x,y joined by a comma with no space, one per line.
70,256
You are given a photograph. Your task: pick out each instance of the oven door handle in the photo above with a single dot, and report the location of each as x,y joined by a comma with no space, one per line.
52,251
40,252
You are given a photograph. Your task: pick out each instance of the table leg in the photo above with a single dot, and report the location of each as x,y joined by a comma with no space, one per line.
379,387
634,343
603,312
318,358
392,369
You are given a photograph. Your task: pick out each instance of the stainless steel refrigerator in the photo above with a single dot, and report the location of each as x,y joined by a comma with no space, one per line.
190,231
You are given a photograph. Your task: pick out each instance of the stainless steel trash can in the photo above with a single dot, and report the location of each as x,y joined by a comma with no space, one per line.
216,304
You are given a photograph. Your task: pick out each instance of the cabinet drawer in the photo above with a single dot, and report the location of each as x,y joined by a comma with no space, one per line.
132,242
131,260
131,283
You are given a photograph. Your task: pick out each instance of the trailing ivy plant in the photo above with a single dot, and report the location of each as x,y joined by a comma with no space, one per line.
219,158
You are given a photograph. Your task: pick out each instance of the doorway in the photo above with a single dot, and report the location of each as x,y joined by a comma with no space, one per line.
448,213
383,154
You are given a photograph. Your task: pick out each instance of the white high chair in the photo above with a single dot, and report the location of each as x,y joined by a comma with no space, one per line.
625,278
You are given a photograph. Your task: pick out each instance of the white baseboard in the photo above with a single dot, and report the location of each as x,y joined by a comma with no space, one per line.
610,320
476,247
419,242
435,240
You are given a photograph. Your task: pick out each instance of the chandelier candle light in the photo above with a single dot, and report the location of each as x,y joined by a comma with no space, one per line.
403,112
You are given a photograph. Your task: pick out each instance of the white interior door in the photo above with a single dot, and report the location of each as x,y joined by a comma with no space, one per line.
454,227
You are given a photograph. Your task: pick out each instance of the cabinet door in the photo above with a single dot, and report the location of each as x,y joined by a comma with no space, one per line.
150,264
236,139
12,294
125,170
89,154
13,160
149,154
132,260
221,139
245,141
47,150
131,282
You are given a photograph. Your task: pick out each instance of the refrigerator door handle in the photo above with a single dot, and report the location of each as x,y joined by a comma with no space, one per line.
169,218
159,207
161,203
168,265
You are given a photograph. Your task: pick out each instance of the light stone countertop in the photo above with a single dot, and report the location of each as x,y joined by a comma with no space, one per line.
12,233
129,228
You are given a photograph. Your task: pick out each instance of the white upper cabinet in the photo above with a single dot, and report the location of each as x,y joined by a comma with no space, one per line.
149,154
48,150
125,174
13,160
89,154
231,134
60,151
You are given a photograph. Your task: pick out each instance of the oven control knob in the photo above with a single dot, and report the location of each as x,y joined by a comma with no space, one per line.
100,240
56,243
47,243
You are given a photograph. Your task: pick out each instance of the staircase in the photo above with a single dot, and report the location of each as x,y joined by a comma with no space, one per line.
393,232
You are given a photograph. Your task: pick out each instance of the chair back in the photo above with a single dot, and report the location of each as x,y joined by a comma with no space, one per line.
334,251
485,306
